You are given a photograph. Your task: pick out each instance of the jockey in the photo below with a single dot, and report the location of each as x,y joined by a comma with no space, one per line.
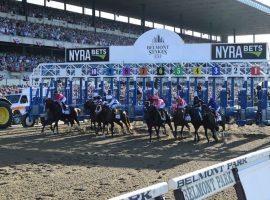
197,102
157,102
96,98
111,101
213,105
180,103
61,99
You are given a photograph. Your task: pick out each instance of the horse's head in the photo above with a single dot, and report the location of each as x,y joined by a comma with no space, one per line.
48,103
206,109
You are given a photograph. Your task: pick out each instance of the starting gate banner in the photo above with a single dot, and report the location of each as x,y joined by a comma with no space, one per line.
164,46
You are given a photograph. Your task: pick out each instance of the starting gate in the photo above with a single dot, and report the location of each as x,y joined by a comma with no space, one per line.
231,83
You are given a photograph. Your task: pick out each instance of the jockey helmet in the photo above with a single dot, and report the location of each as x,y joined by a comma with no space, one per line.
109,97
178,98
212,99
95,94
179,87
199,87
55,92
196,98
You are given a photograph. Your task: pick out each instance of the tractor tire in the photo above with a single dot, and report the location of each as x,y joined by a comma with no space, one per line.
26,122
5,115
17,117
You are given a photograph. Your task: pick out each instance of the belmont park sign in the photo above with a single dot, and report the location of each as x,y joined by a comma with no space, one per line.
164,46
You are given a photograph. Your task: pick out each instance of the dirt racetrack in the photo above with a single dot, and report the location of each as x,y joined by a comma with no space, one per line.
82,166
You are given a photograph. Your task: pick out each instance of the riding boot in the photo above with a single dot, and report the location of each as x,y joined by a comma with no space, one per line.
63,106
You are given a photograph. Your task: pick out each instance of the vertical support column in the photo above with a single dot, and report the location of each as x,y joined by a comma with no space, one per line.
31,96
81,91
152,85
206,90
70,92
169,93
111,87
102,88
127,91
160,87
177,83
41,93
210,30
214,88
195,84
118,88
143,18
232,92
96,83
188,90
245,83
25,9
85,89
93,13
251,92
65,5
234,35
66,88
144,89
134,102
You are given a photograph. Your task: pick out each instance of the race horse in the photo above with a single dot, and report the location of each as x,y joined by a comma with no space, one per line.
55,114
90,106
154,118
108,116
196,119
210,122
179,120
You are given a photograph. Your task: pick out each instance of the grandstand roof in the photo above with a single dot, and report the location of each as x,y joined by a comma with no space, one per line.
224,15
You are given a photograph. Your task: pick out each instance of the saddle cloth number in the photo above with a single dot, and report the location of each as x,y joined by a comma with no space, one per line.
117,116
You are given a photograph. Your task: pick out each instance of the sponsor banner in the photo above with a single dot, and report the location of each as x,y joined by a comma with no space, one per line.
100,54
254,51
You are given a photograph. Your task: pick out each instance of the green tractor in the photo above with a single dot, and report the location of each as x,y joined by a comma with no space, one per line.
5,113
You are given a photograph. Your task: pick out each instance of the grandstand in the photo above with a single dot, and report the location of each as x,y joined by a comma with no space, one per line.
20,53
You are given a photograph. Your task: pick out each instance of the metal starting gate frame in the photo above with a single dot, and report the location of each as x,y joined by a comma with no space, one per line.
167,73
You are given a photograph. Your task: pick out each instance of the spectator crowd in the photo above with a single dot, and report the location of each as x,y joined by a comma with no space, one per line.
22,63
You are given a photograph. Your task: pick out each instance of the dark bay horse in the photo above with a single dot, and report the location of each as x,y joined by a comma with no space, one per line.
209,122
55,114
154,118
90,106
179,120
106,115
196,119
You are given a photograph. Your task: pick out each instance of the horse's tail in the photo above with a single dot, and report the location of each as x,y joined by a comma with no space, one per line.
126,118
77,110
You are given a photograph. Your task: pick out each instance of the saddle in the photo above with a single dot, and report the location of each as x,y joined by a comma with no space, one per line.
162,114
65,108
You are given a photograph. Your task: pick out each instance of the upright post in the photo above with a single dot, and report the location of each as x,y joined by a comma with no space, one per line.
135,92
251,92
160,87
188,90
85,89
81,91
169,93
232,92
118,88
214,88
152,86
70,92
